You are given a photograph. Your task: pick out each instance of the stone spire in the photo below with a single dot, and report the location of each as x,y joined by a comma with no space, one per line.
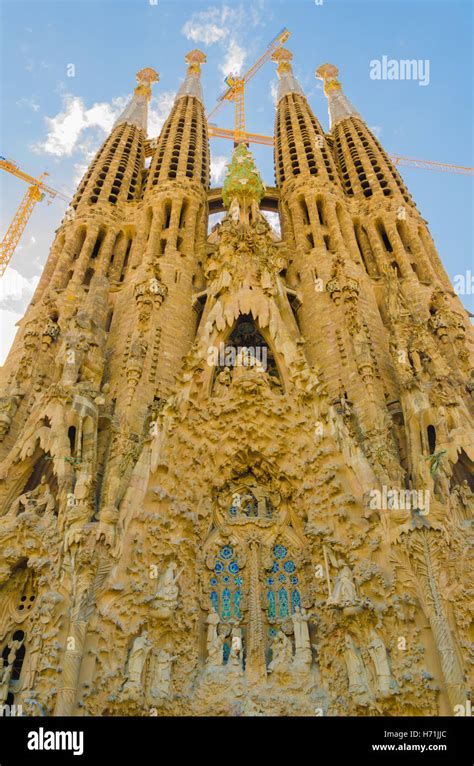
136,111
339,106
191,85
287,81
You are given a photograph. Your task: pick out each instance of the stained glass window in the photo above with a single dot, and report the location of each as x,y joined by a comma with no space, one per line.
283,595
226,585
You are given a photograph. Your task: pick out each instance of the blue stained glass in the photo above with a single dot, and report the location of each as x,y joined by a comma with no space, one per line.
226,652
270,580
275,566
271,604
294,580
219,567
238,580
233,510
226,579
226,552
283,602
295,599
272,632
280,551
215,600
226,606
281,578
237,599
289,566
233,567
213,581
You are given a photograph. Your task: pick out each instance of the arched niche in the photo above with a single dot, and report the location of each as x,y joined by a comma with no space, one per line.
245,346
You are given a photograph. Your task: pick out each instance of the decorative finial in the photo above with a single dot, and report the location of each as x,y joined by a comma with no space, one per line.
328,73
339,106
145,77
194,59
287,81
283,58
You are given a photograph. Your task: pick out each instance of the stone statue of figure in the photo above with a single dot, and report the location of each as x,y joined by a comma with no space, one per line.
213,621
361,347
40,500
357,673
378,653
302,642
167,593
222,382
162,673
235,656
215,650
6,672
282,654
344,592
247,363
136,661
466,496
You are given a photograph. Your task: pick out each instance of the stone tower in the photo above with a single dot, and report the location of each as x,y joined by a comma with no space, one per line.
236,471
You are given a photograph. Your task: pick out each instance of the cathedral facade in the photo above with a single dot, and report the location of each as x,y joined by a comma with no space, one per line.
236,467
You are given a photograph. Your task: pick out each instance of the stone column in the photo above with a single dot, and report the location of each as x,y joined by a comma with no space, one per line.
255,662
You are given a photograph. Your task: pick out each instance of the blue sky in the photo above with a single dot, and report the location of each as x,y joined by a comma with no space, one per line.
55,122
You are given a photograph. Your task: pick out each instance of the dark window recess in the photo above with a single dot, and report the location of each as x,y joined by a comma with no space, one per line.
431,439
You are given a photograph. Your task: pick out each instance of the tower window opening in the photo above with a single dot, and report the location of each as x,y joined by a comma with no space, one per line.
384,237
109,320
166,223
304,210
125,261
72,439
98,242
431,432
319,208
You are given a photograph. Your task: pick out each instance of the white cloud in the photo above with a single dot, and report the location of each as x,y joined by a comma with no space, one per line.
77,129
15,287
160,107
30,103
204,32
218,168
274,91
214,24
79,172
274,221
65,129
15,294
234,59
376,130
8,320
225,26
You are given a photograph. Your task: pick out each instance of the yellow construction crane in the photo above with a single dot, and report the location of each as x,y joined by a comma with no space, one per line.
36,192
236,92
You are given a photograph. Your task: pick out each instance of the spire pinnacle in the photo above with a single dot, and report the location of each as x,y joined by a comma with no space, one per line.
243,184
339,106
288,82
136,111
191,85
